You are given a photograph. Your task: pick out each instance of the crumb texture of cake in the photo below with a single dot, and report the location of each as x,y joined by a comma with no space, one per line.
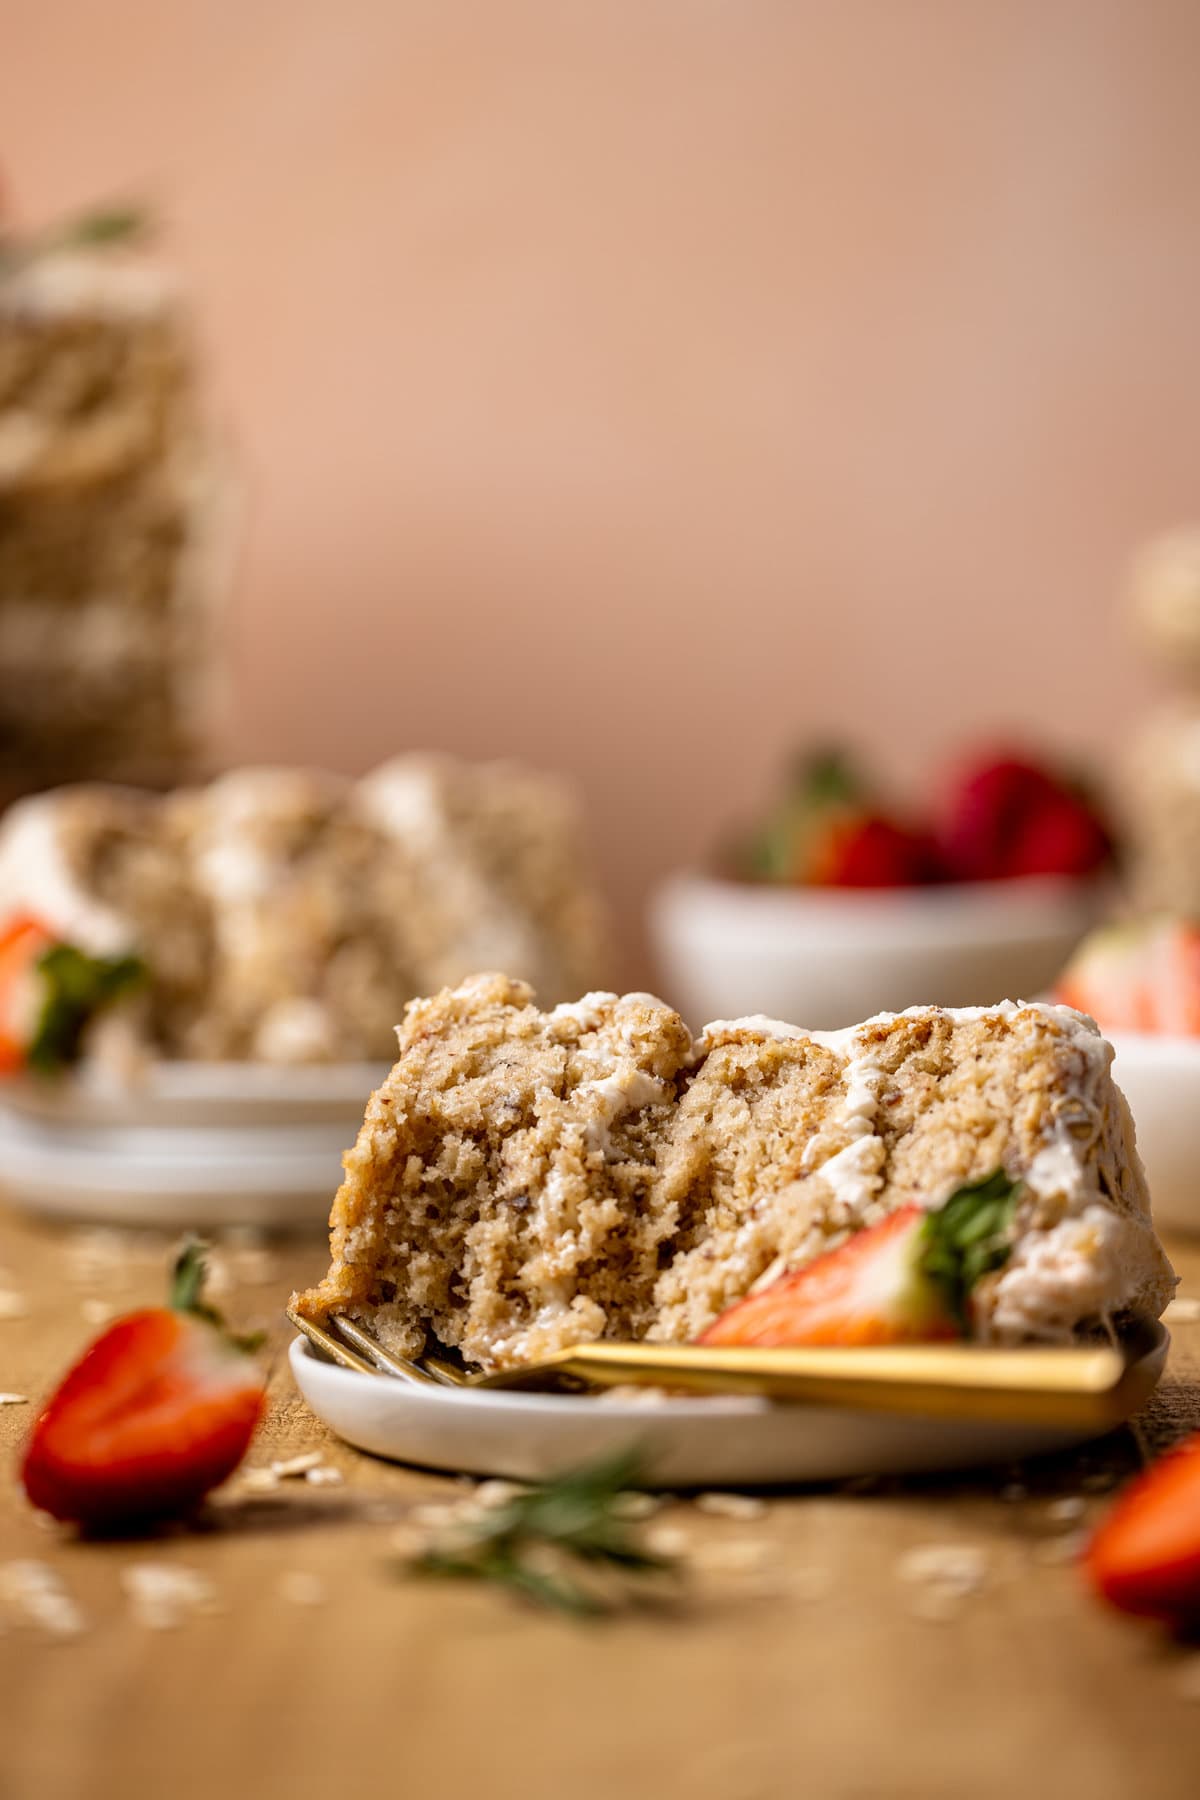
115,522
524,1179
288,915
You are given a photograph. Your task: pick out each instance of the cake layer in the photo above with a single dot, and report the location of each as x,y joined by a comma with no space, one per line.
525,1179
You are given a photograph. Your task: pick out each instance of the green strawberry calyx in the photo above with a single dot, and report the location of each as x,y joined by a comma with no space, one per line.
186,1295
968,1237
75,988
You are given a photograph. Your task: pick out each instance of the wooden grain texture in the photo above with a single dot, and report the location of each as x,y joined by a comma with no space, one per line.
814,1676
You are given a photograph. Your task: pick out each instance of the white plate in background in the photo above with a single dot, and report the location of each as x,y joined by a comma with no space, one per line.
722,1441
187,1145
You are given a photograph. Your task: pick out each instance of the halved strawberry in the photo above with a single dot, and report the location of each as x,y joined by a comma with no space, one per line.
1145,1557
157,1412
908,1279
49,993
1142,976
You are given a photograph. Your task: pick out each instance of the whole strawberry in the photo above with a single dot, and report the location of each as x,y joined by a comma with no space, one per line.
159,1411
1010,817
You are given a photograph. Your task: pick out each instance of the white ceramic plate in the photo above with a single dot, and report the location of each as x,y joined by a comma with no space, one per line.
187,1145
1160,1078
826,958
718,1442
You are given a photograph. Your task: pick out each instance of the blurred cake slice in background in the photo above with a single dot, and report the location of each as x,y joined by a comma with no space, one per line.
287,915
485,872
114,514
525,1180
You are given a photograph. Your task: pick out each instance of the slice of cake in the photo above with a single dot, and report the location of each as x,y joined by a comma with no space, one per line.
526,1179
286,915
115,514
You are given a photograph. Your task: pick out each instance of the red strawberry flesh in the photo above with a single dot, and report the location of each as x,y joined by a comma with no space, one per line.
1145,1557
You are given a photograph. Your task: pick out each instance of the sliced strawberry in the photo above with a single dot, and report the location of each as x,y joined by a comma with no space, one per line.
908,1279
22,941
1137,977
157,1412
1145,1557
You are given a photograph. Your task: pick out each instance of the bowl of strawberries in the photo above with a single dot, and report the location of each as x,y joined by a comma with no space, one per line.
1140,980
837,906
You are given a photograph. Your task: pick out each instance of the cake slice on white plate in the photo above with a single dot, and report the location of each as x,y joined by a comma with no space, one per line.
524,1180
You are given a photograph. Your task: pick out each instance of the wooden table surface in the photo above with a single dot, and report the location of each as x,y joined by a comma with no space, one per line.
800,1661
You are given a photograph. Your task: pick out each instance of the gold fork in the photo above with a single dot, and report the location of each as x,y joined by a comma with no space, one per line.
1089,1386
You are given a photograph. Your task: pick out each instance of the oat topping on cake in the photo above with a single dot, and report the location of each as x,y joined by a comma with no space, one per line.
527,1179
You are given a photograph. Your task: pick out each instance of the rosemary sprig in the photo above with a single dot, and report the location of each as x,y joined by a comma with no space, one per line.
537,1543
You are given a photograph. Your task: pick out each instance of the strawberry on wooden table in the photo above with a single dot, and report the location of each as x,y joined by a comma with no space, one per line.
159,1411
908,1279
1145,1557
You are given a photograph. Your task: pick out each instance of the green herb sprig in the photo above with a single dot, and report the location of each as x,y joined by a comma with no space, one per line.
539,1543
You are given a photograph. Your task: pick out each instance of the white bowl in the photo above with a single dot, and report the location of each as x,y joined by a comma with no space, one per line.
1160,1078
826,958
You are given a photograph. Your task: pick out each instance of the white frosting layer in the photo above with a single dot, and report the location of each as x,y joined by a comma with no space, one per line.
105,285
36,877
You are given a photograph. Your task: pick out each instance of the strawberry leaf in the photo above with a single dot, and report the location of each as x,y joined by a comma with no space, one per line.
77,987
969,1236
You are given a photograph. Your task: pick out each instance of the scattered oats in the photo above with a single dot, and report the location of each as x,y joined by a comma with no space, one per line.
260,1480
162,1595
1183,1310
45,1522
637,1506
289,1468
490,1494
324,1475
732,1506
741,1556
1067,1510
97,1312
14,1399
12,1305
36,1593
1065,1549
956,1568
1187,1678
1012,1491
301,1587
1099,1481
434,1514
667,1540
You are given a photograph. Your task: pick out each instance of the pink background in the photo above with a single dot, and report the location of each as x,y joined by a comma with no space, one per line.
645,386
